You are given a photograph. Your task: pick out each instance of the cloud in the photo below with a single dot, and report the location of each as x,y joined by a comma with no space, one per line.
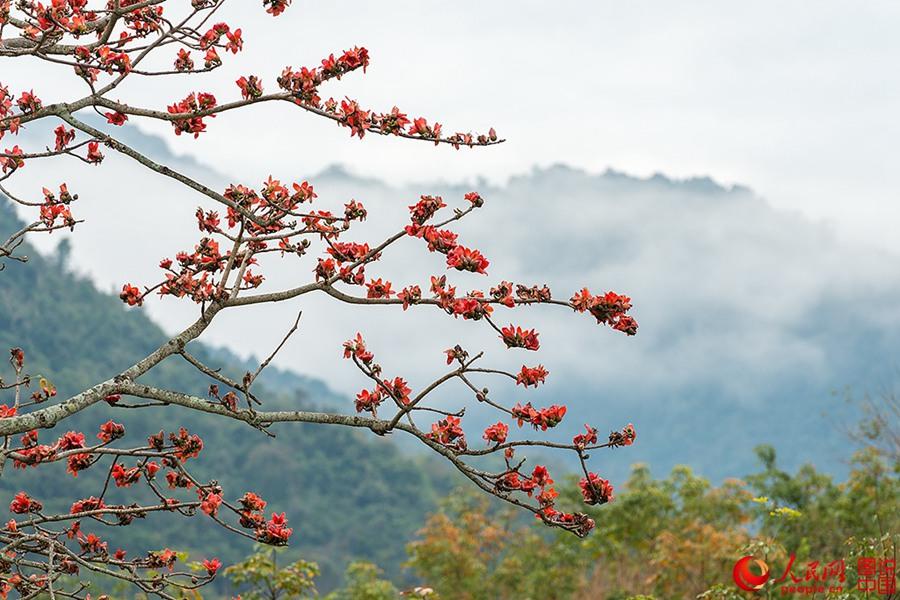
750,317
792,100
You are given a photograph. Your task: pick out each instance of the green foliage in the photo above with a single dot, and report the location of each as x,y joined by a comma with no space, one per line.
721,592
675,537
363,582
822,515
472,552
662,536
260,577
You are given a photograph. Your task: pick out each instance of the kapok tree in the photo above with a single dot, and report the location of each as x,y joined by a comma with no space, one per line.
107,44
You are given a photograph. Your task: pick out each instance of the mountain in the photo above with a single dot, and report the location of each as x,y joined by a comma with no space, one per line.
754,321
348,495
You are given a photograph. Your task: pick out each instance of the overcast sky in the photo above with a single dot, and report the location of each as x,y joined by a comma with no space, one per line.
798,100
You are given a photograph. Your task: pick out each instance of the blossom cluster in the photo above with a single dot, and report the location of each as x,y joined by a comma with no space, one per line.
169,452
539,485
609,309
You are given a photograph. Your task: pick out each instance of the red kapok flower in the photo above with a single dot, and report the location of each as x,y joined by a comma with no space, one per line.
541,476
609,308
532,376
87,504
115,118
455,353
251,501
357,347
78,462
516,337
595,489
368,401
212,566
276,7
110,431
28,102
623,438
251,87
187,445
131,295
439,240
124,477
275,531
22,503
94,155
399,389
448,432
544,418
626,325
463,259
410,295
629,434
71,440
184,62
210,504
425,208
585,439
63,137
17,356
475,198
178,480
91,543
379,289
497,432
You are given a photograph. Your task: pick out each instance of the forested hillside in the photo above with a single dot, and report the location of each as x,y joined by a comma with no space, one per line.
343,490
